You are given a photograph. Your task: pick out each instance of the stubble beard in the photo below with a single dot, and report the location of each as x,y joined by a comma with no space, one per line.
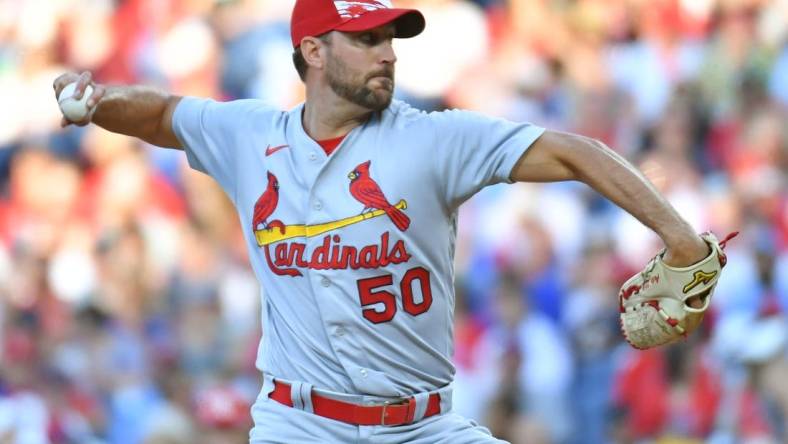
345,84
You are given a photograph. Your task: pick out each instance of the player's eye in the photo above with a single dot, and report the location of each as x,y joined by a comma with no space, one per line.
368,38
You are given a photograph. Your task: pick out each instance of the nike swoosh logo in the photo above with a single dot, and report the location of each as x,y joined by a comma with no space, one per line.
272,149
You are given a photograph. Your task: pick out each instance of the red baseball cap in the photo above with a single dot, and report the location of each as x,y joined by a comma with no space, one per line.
317,17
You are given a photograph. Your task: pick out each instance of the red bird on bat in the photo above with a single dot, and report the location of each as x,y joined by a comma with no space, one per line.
266,203
367,191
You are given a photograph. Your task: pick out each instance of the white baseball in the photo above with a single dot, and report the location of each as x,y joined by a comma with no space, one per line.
74,110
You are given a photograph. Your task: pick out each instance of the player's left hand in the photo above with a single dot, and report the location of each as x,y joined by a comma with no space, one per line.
664,303
689,251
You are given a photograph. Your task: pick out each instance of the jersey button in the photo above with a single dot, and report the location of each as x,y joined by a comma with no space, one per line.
318,206
313,156
325,282
363,373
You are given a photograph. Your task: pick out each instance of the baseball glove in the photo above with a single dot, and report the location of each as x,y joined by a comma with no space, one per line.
655,303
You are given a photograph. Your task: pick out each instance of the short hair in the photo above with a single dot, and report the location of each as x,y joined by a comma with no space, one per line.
298,58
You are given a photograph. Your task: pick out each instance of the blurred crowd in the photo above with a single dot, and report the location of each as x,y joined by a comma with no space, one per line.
129,313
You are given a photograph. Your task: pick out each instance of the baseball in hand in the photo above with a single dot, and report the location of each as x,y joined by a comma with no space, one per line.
74,110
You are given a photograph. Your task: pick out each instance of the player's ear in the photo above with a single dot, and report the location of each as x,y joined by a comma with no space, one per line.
314,52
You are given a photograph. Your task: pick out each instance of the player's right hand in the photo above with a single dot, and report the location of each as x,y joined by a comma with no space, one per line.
83,80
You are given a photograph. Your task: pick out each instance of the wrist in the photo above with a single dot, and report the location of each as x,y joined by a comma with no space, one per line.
680,236
683,251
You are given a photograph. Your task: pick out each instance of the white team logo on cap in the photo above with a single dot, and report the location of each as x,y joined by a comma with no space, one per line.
356,9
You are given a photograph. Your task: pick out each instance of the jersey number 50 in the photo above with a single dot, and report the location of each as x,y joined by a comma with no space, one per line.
370,294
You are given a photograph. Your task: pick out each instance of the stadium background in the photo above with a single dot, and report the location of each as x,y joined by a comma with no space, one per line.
129,313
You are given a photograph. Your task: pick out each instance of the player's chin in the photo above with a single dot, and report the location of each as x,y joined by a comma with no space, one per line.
383,94
381,99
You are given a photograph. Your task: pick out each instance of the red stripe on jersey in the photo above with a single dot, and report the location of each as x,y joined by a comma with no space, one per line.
329,145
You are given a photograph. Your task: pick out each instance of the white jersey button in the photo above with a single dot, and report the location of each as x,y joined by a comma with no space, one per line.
313,156
318,206
325,282
363,373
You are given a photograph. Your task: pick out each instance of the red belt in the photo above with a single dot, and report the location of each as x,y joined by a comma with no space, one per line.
385,414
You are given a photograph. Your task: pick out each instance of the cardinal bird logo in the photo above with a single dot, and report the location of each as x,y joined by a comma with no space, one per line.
365,190
265,206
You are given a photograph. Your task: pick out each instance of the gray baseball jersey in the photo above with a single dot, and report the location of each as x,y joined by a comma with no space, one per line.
354,251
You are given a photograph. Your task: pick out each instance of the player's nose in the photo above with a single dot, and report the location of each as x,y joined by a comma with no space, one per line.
387,54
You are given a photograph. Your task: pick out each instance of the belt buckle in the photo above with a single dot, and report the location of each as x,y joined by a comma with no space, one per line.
383,416
386,405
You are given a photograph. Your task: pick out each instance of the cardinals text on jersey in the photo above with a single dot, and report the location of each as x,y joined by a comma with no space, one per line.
331,254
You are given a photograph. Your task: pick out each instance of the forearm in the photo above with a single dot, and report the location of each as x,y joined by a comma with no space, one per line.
611,175
562,156
138,111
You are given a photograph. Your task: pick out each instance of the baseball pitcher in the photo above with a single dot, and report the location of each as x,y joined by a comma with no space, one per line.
348,203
